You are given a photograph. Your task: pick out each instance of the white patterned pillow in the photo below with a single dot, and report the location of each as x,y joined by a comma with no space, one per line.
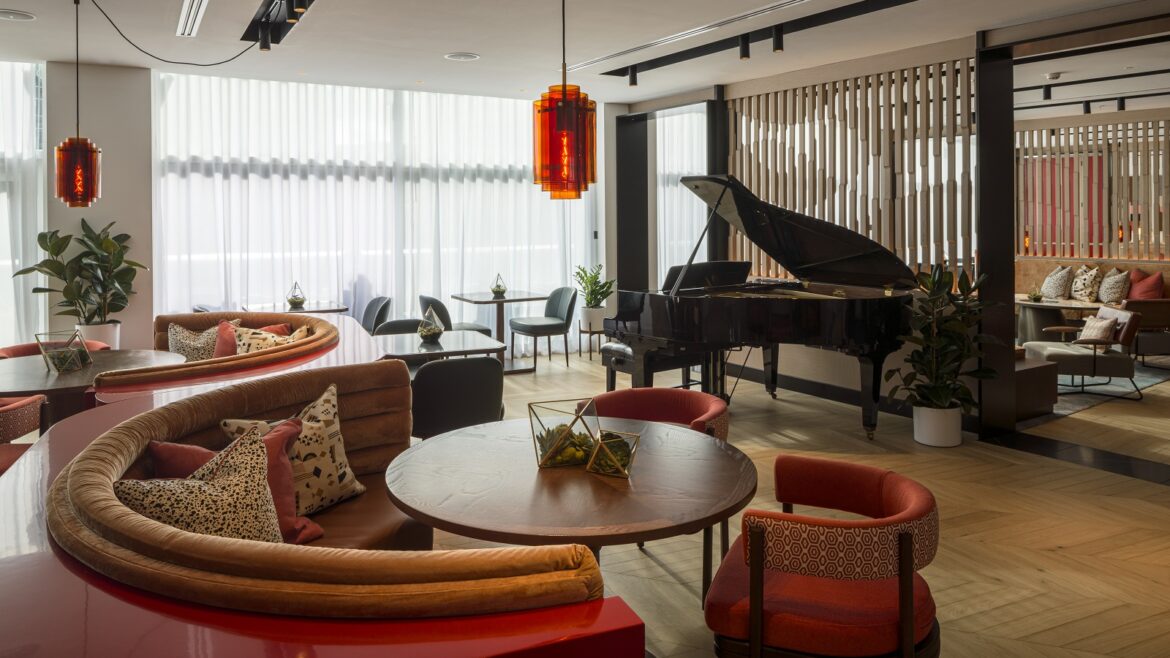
321,473
228,496
1114,286
254,340
1058,284
195,345
1085,284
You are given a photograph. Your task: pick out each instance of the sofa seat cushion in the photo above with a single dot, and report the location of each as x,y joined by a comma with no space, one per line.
815,615
1078,359
372,522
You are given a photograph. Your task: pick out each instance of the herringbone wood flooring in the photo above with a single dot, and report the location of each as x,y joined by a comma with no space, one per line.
1038,557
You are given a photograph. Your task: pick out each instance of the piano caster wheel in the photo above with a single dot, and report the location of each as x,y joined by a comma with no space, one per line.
869,434
774,396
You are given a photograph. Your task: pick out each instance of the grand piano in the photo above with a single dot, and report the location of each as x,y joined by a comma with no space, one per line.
850,294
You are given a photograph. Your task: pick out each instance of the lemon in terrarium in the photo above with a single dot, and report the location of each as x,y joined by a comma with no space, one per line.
431,327
563,431
498,287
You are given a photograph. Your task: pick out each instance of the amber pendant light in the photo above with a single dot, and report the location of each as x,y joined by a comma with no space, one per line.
564,138
79,161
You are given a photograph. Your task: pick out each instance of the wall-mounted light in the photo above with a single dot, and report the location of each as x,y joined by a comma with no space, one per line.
265,36
745,47
634,75
1120,104
299,6
1086,108
291,15
1046,93
777,38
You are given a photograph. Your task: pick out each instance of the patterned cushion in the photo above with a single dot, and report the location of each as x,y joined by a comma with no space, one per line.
1096,329
1114,286
254,340
320,468
228,496
195,345
1085,284
1058,284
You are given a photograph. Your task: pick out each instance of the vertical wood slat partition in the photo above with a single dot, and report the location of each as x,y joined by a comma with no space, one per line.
888,155
1094,187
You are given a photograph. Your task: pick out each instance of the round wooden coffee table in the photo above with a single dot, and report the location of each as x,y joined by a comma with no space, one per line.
483,482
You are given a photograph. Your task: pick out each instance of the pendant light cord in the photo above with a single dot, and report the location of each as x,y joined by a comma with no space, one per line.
77,62
162,59
564,57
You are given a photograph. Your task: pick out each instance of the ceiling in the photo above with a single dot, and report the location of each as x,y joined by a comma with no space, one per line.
400,44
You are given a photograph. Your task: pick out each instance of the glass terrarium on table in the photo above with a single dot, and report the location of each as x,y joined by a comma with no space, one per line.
614,454
295,297
498,288
564,432
63,351
431,327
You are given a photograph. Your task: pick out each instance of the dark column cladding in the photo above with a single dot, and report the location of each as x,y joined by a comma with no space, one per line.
633,202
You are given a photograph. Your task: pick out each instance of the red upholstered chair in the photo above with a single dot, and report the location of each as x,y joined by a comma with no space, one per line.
29,349
20,416
812,586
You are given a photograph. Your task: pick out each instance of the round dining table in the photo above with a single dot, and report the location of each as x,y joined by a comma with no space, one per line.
65,391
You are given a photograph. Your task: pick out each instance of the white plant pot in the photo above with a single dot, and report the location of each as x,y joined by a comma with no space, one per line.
940,428
109,333
592,318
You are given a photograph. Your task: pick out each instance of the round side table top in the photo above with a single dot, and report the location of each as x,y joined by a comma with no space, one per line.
483,482
28,375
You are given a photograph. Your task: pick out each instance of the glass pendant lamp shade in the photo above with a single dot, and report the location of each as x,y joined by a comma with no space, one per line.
565,123
79,181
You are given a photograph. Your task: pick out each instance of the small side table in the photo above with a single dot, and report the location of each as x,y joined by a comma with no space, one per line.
1035,388
589,332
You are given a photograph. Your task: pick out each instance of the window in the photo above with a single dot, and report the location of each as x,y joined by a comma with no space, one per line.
681,145
353,193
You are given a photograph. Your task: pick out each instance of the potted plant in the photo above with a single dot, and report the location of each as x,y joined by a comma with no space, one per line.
594,292
96,282
945,321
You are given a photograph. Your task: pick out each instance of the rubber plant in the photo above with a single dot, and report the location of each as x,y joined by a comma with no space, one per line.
945,321
594,289
95,282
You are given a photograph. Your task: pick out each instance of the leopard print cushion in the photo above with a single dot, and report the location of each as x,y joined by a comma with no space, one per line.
194,345
321,472
1114,286
1058,284
228,496
254,340
1085,284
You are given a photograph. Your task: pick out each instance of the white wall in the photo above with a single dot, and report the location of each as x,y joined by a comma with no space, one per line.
115,115
607,157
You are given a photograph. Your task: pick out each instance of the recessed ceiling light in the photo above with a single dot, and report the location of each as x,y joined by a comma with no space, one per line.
461,57
190,15
16,15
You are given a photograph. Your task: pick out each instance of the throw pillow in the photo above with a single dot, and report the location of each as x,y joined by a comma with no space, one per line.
1086,283
1114,285
321,472
195,345
225,338
178,460
228,496
1058,284
1145,286
254,340
1098,329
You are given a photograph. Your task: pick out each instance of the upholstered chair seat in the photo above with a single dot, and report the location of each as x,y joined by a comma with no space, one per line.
556,321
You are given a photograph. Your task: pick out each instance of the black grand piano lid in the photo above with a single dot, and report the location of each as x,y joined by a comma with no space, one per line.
811,249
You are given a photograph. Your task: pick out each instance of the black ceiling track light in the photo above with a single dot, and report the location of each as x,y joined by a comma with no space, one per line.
773,33
273,21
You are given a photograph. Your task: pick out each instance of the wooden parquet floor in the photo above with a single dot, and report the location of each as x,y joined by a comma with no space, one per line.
1134,428
1038,557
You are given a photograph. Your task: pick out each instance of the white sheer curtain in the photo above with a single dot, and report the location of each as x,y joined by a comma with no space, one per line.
681,137
22,199
353,193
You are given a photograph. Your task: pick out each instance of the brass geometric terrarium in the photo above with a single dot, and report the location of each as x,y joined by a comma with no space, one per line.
295,297
498,287
430,327
564,432
63,351
614,454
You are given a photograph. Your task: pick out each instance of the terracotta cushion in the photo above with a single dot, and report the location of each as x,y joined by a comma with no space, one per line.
815,615
1145,286
371,521
179,460
225,336
10,452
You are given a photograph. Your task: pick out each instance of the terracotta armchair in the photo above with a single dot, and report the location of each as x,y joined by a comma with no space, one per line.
799,585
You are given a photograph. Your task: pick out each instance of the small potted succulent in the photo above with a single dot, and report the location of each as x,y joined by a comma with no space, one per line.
96,282
295,297
594,291
498,288
945,319
1035,295
431,327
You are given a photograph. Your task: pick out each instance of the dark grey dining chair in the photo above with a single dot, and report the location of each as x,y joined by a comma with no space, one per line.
377,310
391,327
556,321
425,302
455,393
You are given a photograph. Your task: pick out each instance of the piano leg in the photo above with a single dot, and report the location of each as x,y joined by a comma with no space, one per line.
642,376
771,368
871,390
714,375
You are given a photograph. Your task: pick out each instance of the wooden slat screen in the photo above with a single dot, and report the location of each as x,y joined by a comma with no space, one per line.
1095,189
889,155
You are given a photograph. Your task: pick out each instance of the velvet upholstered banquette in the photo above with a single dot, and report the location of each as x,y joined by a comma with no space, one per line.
336,578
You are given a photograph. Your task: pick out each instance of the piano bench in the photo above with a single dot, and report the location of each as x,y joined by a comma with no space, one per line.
619,357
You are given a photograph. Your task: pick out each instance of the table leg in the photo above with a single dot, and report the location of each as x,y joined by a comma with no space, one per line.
724,538
500,327
596,554
706,564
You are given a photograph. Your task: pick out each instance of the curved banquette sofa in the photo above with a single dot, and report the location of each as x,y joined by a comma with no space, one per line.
323,335
345,574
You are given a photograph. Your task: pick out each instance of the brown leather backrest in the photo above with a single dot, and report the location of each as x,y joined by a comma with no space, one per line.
373,402
1155,312
1128,323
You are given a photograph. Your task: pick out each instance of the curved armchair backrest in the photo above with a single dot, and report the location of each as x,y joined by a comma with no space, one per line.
425,302
560,304
1128,323
377,310
408,326
699,411
457,393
